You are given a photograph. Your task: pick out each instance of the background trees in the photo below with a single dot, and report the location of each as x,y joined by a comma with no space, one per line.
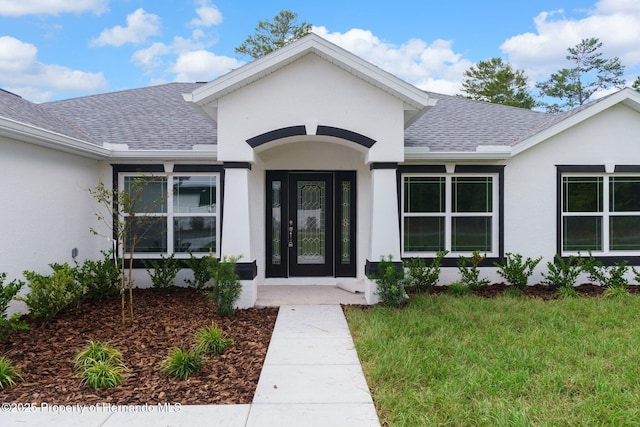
575,86
496,81
270,36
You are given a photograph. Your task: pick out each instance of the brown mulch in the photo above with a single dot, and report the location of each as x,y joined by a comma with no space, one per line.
162,319
539,291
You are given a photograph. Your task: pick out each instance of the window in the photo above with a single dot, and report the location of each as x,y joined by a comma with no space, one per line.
174,213
600,213
458,213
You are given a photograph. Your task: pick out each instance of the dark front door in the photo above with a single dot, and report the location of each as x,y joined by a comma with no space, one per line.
310,224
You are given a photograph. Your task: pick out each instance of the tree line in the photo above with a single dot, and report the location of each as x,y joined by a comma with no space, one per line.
491,80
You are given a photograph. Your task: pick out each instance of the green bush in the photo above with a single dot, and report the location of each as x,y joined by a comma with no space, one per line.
50,294
616,292
7,293
8,373
471,275
390,283
609,277
164,272
181,363
99,279
226,287
563,274
211,339
421,277
202,269
515,270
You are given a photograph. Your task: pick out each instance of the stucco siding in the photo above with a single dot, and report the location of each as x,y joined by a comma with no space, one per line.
46,208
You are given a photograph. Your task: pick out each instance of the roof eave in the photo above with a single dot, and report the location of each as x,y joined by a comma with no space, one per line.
46,138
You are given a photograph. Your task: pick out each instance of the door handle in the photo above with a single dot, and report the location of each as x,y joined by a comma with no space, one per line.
290,233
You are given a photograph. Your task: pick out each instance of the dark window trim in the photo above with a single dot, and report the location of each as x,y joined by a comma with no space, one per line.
244,270
607,260
459,169
117,169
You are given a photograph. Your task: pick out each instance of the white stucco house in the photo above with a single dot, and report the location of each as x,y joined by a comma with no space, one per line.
313,164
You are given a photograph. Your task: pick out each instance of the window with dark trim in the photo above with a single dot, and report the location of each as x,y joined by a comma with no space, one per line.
179,212
457,212
600,213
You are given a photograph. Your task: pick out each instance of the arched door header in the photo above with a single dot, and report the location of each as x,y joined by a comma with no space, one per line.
345,134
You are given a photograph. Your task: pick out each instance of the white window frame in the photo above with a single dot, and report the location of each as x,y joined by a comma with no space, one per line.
606,214
170,215
448,214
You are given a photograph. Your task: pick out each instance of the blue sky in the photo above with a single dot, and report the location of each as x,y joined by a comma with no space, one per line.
57,49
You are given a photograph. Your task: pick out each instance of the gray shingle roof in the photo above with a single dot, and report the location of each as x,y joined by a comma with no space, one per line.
461,124
155,117
158,118
15,108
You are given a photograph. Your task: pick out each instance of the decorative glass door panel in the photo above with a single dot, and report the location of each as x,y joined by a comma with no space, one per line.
311,212
310,224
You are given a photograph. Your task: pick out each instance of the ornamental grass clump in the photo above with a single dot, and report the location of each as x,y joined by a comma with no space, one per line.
182,363
8,374
99,365
211,339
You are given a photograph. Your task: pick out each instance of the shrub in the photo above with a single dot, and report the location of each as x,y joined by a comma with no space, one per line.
389,280
202,269
164,272
101,374
471,276
211,339
458,289
181,363
50,294
99,279
422,277
562,274
226,286
609,277
96,351
8,373
515,270
100,365
7,293
637,273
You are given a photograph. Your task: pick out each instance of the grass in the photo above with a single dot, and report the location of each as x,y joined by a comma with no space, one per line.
462,361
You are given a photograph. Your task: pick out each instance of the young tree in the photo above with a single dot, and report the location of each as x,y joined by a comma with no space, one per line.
270,36
123,214
575,86
494,81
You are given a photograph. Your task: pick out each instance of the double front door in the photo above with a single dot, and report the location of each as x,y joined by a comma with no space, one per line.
310,224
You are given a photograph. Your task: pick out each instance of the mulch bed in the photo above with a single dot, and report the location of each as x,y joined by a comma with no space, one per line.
538,291
162,319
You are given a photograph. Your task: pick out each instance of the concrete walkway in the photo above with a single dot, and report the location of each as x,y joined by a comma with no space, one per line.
311,377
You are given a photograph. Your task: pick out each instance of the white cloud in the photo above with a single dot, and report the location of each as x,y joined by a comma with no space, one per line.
434,66
615,22
51,7
202,65
208,15
21,71
140,26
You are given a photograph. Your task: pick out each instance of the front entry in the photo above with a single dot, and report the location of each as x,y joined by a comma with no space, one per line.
310,224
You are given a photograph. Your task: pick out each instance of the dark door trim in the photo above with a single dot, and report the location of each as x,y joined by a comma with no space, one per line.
280,188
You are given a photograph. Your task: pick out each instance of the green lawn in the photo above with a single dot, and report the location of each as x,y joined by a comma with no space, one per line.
502,362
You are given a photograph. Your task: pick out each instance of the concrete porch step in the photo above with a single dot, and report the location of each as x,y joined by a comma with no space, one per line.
277,295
